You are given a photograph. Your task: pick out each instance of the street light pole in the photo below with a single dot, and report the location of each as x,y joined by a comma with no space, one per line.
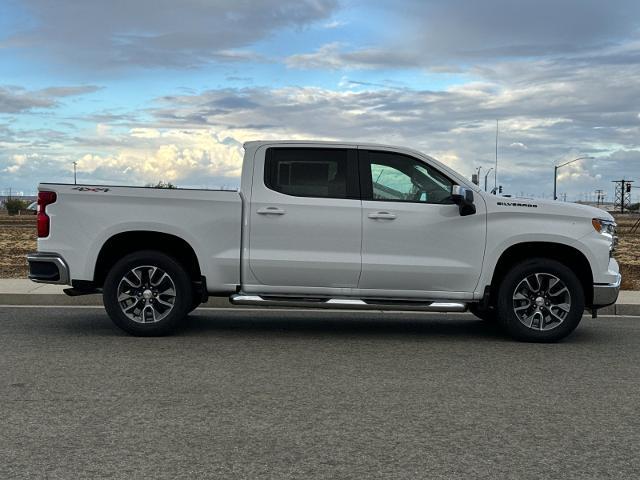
485,178
478,175
555,173
75,180
495,171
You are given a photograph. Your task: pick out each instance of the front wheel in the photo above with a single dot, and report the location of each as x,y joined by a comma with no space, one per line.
540,300
147,293
488,314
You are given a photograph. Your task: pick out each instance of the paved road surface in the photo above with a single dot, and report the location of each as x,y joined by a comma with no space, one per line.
251,394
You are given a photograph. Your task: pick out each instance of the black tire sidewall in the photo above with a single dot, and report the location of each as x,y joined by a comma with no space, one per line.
183,300
510,321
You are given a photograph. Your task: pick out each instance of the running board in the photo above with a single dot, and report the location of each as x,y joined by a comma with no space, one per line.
346,303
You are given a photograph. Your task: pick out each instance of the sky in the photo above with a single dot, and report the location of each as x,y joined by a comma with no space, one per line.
140,91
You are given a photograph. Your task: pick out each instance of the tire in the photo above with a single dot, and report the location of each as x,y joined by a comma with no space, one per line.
540,300
155,293
487,314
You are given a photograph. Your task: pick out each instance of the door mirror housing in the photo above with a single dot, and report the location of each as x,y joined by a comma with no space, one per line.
463,197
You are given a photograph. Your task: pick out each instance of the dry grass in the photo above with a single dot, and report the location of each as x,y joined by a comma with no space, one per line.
628,252
18,237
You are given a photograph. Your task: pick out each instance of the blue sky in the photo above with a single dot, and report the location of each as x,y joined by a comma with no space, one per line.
145,90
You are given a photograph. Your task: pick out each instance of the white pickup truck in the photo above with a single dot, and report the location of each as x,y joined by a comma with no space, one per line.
335,225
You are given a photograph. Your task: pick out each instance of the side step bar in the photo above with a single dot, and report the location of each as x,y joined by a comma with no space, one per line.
346,303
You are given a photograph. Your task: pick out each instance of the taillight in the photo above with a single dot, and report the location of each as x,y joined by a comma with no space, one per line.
44,199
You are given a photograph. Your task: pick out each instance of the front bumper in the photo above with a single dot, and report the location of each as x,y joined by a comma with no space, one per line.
606,294
48,268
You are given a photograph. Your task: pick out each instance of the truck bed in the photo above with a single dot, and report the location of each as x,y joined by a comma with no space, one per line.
85,217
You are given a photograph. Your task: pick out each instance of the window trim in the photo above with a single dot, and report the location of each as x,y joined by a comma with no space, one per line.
352,173
366,181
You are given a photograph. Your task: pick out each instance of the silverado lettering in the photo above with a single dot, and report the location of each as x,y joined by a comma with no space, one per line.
517,204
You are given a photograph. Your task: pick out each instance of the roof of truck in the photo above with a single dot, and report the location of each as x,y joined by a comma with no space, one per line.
258,143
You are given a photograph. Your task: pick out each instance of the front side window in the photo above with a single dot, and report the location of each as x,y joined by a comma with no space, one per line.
309,172
396,177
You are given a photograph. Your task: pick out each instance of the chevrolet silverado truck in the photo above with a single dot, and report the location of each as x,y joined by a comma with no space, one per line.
333,225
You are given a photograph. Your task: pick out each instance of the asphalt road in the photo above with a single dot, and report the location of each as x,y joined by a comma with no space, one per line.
251,394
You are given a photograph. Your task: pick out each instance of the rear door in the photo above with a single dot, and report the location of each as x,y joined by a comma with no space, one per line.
415,243
305,219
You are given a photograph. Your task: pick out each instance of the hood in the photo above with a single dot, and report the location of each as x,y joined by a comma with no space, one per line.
553,207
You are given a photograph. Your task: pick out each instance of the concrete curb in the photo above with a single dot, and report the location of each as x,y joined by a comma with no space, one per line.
58,299
20,291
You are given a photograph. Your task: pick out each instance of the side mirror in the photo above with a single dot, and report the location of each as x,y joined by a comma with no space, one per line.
463,197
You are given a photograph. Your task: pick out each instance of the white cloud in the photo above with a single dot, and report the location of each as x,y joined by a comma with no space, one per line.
17,162
176,155
102,129
145,132
335,24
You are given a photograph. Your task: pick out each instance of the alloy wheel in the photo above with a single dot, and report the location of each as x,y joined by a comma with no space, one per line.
146,294
541,301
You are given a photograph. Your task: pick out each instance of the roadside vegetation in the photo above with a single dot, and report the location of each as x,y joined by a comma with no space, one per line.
15,205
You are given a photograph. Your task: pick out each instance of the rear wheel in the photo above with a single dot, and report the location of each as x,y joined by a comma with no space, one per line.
540,300
147,293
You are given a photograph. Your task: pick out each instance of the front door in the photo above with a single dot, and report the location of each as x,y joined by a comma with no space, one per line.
415,243
305,220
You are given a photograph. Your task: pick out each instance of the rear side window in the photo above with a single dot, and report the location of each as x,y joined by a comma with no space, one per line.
312,172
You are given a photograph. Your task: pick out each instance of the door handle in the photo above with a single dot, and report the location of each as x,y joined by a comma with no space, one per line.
270,211
382,215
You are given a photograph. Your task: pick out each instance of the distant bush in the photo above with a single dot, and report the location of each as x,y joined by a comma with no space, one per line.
161,184
14,205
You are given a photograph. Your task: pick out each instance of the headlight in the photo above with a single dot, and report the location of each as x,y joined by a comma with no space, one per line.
604,226
607,228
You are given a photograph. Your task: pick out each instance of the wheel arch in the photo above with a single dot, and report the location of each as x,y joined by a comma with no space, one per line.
121,244
567,255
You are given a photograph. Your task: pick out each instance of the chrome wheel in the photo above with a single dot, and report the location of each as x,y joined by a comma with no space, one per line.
541,301
146,294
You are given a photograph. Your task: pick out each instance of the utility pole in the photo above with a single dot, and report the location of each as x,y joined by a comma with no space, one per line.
622,194
75,180
599,197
